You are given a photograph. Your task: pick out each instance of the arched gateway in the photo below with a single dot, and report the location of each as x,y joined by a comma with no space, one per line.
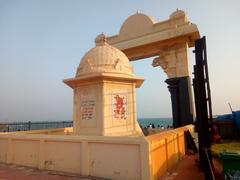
142,37
105,140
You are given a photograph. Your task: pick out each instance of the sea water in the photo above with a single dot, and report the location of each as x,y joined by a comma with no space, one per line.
165,122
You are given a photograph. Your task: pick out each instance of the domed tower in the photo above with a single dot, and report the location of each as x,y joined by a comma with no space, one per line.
104,93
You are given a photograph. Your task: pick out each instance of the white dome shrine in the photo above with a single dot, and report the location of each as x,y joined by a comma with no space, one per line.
104,58
104,93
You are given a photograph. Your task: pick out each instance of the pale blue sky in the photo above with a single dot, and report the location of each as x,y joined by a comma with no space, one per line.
42,42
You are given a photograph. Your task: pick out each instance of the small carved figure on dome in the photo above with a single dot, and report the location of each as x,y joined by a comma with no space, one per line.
101,39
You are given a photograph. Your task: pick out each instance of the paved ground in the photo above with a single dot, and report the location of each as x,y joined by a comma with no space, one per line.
187,169
12,172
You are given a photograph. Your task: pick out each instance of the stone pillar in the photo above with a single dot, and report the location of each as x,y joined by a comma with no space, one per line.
181,97
173,88
175,62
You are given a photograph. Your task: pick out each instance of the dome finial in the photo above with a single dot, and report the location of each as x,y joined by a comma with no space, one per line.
101,39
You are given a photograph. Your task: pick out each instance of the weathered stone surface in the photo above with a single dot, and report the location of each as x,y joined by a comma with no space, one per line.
104,93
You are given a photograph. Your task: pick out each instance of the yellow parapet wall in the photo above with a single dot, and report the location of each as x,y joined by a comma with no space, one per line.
135,157
166,150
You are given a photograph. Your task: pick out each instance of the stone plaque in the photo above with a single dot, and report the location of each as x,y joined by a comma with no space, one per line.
88,105
87,109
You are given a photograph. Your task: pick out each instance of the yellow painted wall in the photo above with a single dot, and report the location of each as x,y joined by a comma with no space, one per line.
109,157
25,152
62,156
3,149
115,162
166,150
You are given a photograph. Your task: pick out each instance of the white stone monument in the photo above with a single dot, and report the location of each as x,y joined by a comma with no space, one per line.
104,93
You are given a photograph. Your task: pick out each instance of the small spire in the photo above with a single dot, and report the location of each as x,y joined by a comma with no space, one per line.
101,39
137,12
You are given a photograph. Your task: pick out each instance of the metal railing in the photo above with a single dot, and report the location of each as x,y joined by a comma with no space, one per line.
27,126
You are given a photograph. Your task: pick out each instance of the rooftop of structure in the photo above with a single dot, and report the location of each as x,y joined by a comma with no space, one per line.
104,58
